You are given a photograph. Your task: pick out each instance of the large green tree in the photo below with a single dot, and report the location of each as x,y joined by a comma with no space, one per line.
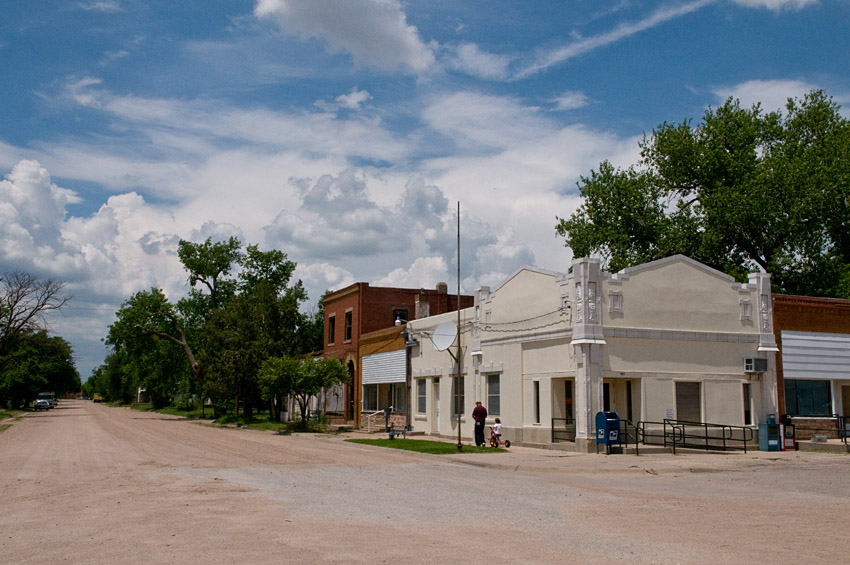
36,362
742,190
242,308
304,379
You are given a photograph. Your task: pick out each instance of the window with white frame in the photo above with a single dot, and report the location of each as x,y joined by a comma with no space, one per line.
398,393
421,402
457,395
494,394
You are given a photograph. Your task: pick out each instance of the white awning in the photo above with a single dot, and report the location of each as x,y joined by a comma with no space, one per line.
386,367
810,355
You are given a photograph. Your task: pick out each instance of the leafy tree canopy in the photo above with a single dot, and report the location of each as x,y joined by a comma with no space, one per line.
743,190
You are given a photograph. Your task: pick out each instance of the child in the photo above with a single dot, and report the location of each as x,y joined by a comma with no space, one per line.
497,429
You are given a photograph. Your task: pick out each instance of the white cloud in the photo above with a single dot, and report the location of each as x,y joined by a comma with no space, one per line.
353,99
200,125
101,6
337,218
425,272
374,32
622,31
772,94
319,277
776,5
571,100
32,209
470,59
479,122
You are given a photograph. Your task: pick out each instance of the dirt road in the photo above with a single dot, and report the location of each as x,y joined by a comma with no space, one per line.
86,483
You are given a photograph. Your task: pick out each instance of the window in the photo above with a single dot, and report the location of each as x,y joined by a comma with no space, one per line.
493,395
400,315
348,318
748,415
398,392
536,400
420,396
331,330
807,398
688,402
370,398
457,396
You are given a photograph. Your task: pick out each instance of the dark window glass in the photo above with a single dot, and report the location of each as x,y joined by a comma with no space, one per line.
807,398
348,319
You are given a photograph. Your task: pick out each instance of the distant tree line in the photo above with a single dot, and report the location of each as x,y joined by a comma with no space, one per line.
31,360
243,308
743,190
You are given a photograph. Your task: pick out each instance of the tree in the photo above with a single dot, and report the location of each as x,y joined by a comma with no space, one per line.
313,376
208,264
151,314
25,301
303,379
744,190
276,378
37,362
227,325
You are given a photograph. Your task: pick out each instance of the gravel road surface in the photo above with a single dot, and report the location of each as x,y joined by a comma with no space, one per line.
88,483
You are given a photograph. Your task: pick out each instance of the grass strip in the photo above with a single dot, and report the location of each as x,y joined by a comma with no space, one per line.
425,446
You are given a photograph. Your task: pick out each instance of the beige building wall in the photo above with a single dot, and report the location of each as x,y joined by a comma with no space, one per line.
632,335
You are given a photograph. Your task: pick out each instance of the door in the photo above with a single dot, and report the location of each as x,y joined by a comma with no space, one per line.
435,420
845,401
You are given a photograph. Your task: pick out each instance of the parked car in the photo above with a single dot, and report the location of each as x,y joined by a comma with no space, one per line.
41,404
49,397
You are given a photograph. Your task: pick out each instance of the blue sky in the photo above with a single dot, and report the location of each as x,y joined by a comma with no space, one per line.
344,132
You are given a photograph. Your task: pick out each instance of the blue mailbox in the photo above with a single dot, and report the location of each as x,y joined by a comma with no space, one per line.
608,430
769,436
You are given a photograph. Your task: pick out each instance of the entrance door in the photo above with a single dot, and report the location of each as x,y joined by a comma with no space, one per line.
845,407
435,413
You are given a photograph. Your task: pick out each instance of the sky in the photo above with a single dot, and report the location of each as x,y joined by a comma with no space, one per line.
346,132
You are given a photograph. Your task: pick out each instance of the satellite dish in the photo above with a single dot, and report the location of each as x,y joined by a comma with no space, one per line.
444,336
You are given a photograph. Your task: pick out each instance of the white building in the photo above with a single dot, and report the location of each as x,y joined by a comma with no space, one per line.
667,339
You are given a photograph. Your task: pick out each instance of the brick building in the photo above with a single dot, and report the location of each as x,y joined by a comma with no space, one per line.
360,309
813,367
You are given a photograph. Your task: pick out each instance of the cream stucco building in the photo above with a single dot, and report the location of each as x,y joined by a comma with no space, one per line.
668,339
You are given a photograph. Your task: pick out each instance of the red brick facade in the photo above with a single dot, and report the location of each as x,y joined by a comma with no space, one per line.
371,309
806,314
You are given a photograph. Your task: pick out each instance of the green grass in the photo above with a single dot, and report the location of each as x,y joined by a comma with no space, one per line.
4,427
424,446
9,413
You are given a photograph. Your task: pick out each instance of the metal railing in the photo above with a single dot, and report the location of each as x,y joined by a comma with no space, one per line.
369,420
630,432
844,429
695,435
563,429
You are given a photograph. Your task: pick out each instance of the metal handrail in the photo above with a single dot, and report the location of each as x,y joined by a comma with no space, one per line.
677,433
369,420
563,432
625,435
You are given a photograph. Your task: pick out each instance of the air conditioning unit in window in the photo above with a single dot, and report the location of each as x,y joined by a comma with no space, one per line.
755,365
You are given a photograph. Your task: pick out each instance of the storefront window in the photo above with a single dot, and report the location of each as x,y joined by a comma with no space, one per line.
807,398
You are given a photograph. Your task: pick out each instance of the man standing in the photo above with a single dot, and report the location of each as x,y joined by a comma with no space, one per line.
479,414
